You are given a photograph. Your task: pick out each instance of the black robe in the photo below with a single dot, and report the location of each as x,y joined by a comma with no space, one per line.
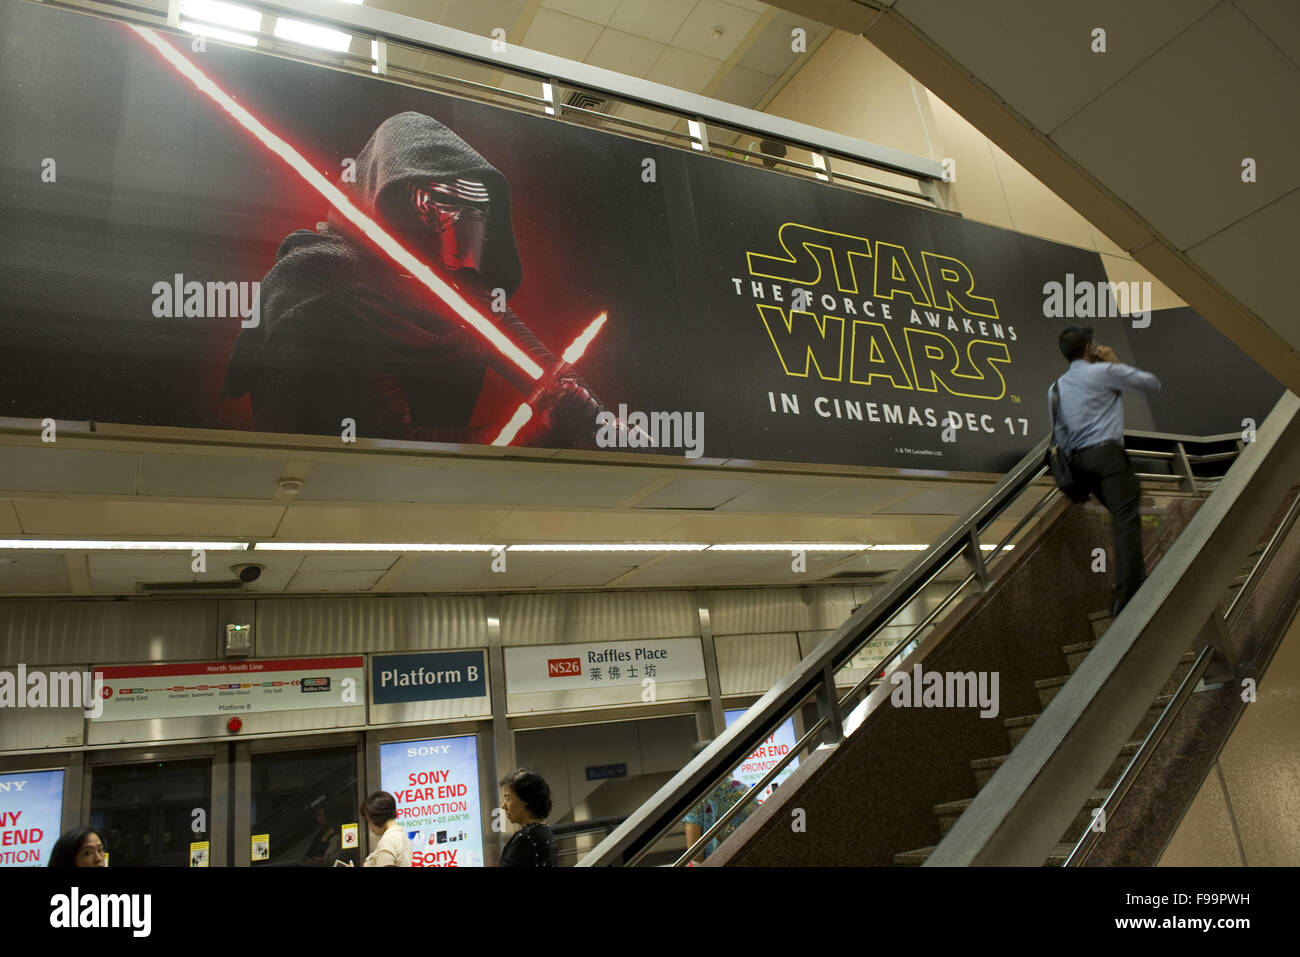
344,333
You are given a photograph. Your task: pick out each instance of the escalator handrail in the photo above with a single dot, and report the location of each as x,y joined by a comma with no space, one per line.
631,840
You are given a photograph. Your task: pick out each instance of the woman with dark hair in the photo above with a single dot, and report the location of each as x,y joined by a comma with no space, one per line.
393,849
526,799
79,847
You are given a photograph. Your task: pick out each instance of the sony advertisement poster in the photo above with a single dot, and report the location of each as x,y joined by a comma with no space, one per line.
765,756
204,236
435,784
31,806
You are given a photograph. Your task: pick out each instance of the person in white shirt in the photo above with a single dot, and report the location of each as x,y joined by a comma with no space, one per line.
393,849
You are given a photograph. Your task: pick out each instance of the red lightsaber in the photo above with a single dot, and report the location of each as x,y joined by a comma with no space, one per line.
371,229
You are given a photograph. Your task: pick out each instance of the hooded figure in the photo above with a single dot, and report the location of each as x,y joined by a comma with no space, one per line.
346,333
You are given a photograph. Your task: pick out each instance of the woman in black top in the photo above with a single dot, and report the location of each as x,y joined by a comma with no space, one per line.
526,799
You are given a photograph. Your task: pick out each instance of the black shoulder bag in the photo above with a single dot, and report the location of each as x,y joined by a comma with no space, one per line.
1059,464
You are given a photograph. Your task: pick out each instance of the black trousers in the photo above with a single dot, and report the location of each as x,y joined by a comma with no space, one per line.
1105,470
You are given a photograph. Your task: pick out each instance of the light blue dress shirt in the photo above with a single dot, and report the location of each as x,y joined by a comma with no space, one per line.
1091,411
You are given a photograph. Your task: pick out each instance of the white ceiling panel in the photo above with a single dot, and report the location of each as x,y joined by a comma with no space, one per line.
696,31
25,573
341,481
772,53
561,35
657,20
586,576
1167,101
743,87
696,493
578,489
624,53
684,70
52,469
333,581
1255,258
942,501
208,476
347,562
853,499
482,16
1279,20
775,497
597,11
1050,71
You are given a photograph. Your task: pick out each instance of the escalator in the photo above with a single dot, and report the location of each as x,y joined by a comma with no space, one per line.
1085,712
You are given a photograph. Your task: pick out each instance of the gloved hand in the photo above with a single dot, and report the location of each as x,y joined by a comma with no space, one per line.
564,417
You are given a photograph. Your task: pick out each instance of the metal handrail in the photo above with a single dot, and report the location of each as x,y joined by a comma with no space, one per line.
1088,840
722,822
815,674
386,27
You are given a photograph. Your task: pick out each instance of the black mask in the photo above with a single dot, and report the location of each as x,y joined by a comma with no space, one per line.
456,215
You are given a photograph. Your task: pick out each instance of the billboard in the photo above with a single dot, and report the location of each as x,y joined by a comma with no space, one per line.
219,239
31,807
435,784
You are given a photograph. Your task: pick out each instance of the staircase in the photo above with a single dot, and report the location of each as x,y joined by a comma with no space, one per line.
1016,728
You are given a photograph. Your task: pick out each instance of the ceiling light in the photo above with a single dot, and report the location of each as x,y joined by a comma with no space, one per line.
369,547
98,546
312,35
612,547
214,15
791,546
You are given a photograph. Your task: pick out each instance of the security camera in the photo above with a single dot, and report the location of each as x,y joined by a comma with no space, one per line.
248,573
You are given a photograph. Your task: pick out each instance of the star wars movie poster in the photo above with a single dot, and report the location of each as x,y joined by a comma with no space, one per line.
222,239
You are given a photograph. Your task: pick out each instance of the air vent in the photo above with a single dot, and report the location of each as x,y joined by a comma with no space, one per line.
191,588
587,101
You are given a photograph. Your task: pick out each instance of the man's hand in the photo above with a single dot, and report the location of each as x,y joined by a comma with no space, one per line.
1104,354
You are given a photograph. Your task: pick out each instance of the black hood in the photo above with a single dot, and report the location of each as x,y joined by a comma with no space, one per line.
414,147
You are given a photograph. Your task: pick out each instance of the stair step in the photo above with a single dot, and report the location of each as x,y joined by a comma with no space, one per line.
919,856
1018,727
985,768
914,858
1074,654
950,811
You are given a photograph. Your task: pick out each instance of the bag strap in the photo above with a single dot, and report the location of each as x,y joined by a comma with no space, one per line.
1056,409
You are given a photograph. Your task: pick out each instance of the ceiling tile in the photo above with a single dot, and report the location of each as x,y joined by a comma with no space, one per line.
334,581
855,499
1254,259
482,16
1151,141
147,518
696,31
597,11
342,481
585,576
684,70
657,20
624,53
1049,71
429,10
754,6
561,35
772,52
51,469
1279,20
28,573
774,497
696,493
742,87
208,476
583,490
955,500
318,523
